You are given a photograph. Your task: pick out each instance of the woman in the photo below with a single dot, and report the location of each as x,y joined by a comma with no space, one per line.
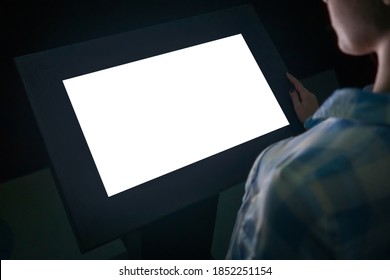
325,194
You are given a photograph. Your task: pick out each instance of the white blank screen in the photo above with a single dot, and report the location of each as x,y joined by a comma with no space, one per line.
147,118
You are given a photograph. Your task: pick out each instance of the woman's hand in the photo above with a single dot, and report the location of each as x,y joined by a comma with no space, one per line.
305,103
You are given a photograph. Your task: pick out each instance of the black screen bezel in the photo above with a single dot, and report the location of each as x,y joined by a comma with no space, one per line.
97,218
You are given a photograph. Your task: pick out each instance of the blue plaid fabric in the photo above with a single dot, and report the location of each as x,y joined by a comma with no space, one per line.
324,194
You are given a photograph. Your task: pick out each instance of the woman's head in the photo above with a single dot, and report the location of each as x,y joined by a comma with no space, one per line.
360,25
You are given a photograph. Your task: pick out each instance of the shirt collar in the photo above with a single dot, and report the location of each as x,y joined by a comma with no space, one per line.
354,104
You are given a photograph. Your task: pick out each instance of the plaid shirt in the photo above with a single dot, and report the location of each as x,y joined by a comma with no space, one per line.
324,194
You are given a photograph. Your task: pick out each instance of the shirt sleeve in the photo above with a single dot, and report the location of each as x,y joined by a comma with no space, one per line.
280,221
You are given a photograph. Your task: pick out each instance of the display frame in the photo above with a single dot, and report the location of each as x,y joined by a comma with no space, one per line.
95,217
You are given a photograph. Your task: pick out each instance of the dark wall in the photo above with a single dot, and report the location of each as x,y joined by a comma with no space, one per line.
300,30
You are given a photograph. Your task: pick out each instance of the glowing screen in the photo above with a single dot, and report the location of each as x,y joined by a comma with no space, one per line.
147,118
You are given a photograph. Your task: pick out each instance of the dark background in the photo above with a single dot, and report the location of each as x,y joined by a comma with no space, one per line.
300,30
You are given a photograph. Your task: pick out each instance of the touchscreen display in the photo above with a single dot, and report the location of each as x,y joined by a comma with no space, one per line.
150,117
